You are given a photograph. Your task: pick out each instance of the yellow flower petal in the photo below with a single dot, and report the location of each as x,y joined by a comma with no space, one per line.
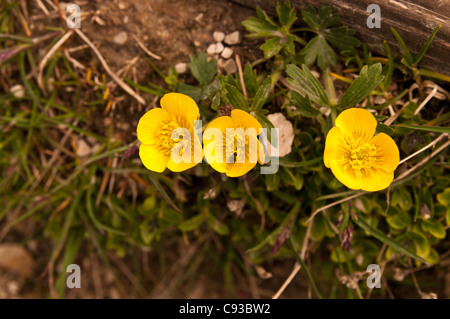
387,156
373,180
150,124
152,158
335,146
239,169
244,120
180,105
357,123
193,158
345,174
215,145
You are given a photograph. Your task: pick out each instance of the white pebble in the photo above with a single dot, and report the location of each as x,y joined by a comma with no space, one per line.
218,36
211,49
285,134
18,91
230,66
181,68
227,53
233,38
120,38
219,48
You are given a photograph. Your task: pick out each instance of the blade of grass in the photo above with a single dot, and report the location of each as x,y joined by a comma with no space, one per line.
305,270
409,57
386,240
162,191
424,48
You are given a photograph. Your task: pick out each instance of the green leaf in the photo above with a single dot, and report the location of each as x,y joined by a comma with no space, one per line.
399,220
304,82
261,95
303,105
342,38
192,223
291,178
321,19
388,241
262,26
236,98
272,182
409,57
422,245
437,129
271,47
339,255
383,128
434,227
286,14
250,80
162,191
402,199
305,270
368,80
270,239
265,123
424,48
194,92
286,163
318,49
218,226
201,69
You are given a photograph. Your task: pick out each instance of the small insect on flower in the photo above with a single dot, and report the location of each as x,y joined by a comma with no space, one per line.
357,158
231,143
168,135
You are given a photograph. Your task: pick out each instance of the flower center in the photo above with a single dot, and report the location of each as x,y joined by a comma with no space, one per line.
167,130
362,155
235,148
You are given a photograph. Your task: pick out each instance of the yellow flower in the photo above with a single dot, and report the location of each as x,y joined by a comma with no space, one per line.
168,135
231,145
357,158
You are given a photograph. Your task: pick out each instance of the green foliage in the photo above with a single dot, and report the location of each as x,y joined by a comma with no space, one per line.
318,48
280,37
255,215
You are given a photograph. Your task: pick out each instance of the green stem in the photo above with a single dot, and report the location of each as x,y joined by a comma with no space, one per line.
329,87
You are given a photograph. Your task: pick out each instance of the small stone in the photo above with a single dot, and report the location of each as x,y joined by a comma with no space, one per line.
15,258
125,19
219,48
120,38
83,149
285,134
181,68
316,74
211,49
218,36
233,38
122,5
197,43
199,18
230,67
18,91
379,99
227,53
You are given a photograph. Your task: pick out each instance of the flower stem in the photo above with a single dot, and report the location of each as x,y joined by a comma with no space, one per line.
329,87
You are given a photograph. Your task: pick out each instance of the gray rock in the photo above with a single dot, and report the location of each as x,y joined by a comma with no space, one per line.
233,38
218,36
120,38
